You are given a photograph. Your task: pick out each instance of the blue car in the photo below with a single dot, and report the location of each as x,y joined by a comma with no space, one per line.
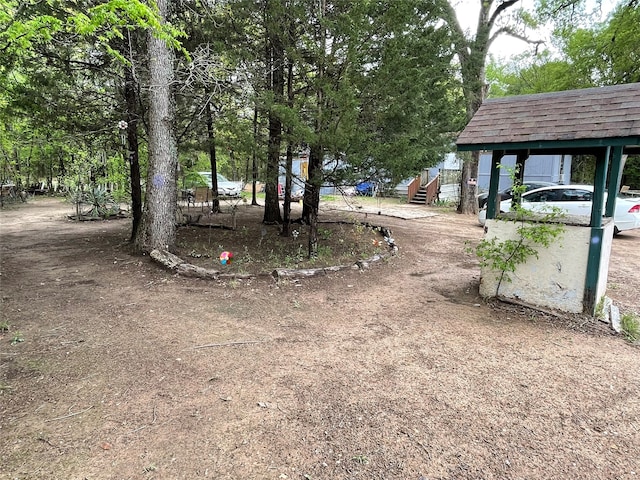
366,189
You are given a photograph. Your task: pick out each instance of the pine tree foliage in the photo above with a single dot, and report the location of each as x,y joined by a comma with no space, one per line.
375,89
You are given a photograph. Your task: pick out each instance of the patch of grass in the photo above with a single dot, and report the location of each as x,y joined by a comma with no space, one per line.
359,228
325,252
17,338
5,387
630,324
446,204
325,233
599,313
362,459
33,364
4,326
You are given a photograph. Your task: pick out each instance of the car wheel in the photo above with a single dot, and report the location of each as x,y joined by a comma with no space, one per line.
616,230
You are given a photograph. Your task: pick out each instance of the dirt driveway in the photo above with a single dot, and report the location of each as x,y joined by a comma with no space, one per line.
126,371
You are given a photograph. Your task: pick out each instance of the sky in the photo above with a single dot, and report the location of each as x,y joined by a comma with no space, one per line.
505,46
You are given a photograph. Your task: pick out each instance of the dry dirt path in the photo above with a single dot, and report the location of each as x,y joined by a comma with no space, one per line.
399,372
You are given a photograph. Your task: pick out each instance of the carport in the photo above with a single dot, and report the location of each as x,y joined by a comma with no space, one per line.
603,122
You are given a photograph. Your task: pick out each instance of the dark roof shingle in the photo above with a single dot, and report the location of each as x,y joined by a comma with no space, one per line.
590,113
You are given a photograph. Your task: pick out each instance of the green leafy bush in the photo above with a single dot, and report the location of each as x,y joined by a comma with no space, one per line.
504,256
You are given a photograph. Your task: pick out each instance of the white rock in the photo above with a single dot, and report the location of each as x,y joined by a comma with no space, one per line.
605,310
615,318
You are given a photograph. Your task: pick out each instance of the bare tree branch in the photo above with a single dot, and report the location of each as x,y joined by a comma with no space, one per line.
501,8
510,32
564,5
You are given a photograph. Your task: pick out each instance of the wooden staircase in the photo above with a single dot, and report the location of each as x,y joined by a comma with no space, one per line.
424,194
420,196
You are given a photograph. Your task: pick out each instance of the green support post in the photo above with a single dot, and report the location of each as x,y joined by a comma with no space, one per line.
494,181
521,157
597,232
615,177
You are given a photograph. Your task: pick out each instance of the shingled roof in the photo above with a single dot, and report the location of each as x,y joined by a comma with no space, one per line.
591,117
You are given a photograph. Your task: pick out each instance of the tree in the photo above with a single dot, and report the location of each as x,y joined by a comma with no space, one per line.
212,93
523,76
609,52
238,39
605,53
368,90
496,17
275,63
85,65
596,53
54,89
379,94
158,229
130,93
408,95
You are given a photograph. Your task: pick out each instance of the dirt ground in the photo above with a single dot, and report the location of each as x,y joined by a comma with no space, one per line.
400,371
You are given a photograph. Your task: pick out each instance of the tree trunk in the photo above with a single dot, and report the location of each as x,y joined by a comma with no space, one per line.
474,92
275,63
472,55
312,197
254,158
131,99
286,226
213,161
316,152
158,229
286,221
271,202
468,185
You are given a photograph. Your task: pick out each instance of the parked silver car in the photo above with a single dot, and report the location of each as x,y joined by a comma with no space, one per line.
226,188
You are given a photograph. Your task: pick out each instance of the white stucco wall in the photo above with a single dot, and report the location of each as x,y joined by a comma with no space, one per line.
556,279
607,242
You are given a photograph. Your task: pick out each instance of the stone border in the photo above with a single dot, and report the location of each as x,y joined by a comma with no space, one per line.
179,266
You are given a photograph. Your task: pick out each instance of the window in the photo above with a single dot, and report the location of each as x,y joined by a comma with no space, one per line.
544,196
575,195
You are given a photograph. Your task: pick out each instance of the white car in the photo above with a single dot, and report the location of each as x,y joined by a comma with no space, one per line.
574,200
507,193
226,188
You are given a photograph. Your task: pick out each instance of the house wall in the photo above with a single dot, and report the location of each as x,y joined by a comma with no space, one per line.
299,170
556,279
451,162
546,168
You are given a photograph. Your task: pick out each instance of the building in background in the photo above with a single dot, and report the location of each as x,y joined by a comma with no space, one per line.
545,168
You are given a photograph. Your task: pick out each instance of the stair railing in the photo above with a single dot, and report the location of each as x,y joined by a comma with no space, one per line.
433,187
413,188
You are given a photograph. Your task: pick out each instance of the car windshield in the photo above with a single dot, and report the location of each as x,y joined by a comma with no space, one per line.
219,176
